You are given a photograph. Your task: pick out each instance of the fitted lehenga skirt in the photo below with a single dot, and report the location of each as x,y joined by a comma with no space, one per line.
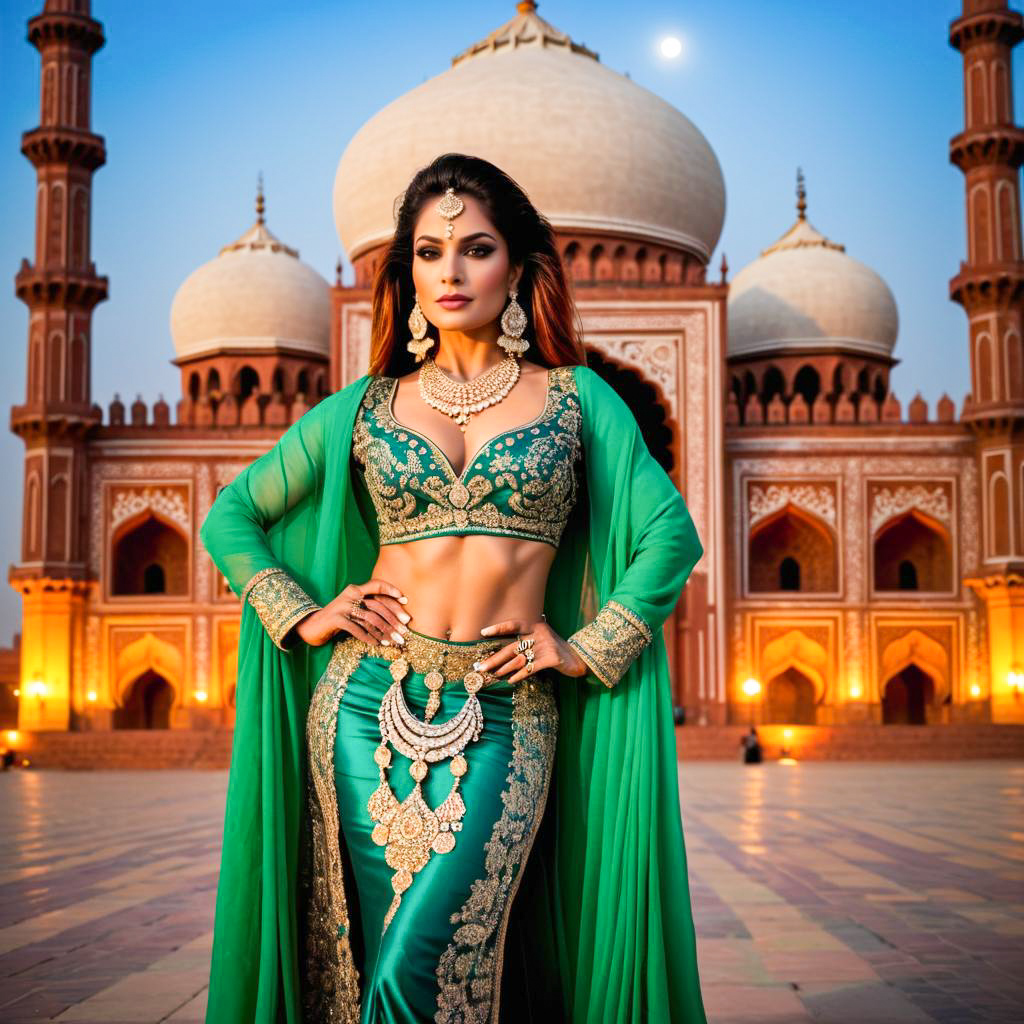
407,901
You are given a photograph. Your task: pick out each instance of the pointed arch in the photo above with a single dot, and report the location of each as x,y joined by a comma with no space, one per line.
792,533
916,538
917,648
148,653
145,540
795,649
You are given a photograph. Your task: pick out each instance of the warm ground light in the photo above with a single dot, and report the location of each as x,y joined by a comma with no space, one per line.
828,893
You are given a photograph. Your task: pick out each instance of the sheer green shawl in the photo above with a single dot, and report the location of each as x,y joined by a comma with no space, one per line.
608,900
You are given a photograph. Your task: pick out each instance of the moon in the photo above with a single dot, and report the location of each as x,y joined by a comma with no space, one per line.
670,47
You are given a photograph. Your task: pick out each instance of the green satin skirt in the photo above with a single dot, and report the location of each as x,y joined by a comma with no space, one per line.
440,958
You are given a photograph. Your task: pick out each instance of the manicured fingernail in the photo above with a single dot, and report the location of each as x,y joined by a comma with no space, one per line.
404,616
404,600
397,637
486,630
385,643
477,664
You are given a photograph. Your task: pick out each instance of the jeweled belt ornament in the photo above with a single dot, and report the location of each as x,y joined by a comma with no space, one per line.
410,830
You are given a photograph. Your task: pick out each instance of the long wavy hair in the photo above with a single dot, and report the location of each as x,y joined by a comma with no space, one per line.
553,325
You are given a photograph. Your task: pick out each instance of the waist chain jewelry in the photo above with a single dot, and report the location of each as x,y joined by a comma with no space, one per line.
410,830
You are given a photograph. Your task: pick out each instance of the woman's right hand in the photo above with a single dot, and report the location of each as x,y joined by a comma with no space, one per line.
379,619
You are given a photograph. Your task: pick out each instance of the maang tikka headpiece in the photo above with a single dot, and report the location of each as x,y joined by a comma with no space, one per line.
449,207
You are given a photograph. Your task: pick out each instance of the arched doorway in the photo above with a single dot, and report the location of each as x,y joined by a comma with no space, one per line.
791,550
643,399
907,696
790,699
912,553
147,703
149,557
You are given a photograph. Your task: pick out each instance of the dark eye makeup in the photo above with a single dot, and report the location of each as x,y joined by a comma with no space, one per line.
426,251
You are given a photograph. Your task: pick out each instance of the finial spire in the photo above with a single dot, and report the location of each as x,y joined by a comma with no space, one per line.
259,200
526,6
801,196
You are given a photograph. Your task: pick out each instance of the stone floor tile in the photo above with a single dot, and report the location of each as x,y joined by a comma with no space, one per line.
824,893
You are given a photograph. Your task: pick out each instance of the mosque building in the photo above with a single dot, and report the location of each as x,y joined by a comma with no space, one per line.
864,560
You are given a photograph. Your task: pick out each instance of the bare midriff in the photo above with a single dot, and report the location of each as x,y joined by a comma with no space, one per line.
456,585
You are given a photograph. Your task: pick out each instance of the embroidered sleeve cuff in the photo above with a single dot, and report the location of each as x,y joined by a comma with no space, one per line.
279,602
611,642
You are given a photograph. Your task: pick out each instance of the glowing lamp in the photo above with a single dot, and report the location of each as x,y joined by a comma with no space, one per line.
975,690
751,687
12,735
856,692
91,696
201,696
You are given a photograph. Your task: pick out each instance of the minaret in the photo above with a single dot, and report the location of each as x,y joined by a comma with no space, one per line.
60,288
990,287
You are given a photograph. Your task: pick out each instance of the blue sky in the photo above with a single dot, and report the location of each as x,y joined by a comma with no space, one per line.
196,98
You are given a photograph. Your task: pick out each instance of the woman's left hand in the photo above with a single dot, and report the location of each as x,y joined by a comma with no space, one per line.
549,651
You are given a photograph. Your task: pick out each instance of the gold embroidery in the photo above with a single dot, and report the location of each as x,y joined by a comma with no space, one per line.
332,987
508,488
279,602
453,659
469,971
610,643
332,991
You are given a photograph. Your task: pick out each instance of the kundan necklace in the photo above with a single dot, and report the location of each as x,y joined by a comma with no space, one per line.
459,399
410,830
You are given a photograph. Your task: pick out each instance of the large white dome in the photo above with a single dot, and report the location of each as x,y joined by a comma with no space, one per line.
804,293
256,294
592,149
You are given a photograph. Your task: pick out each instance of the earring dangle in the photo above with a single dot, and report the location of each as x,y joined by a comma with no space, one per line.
513,323
421,343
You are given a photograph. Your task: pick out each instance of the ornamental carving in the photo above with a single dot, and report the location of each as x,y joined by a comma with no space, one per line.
766,499
669,346
889,502
130,475
128,503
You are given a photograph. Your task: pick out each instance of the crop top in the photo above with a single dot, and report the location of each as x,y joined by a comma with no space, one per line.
523,482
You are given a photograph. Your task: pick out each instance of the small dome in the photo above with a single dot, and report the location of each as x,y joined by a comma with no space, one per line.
256,294
593,150
805,293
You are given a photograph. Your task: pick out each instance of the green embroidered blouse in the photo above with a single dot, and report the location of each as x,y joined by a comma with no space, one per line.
523,482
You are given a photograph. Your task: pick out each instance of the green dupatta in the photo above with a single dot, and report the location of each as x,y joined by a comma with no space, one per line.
602,921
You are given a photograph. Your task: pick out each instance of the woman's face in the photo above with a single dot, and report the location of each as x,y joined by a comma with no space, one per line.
474,262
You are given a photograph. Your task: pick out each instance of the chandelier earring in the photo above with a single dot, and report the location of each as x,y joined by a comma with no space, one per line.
513,323
421,343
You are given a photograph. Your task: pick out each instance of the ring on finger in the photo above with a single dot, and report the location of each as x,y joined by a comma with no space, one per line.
525,643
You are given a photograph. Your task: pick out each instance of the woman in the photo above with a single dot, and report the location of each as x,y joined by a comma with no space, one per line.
453,792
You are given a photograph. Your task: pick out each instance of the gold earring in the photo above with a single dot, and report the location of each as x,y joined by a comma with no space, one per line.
420,345
513,323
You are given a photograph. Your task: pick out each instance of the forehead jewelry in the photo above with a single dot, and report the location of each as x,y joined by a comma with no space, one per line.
449,207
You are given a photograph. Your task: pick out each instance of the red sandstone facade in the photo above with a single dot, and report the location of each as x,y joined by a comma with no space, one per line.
862,564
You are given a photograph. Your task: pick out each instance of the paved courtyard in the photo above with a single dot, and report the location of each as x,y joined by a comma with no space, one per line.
854,893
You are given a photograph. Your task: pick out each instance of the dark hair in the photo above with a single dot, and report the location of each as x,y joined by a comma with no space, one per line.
553,327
